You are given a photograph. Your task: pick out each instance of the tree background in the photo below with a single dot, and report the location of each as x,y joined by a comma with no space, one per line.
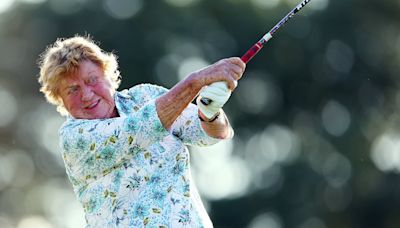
316,115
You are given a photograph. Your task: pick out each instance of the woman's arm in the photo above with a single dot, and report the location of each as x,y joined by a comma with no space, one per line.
219,128
170,105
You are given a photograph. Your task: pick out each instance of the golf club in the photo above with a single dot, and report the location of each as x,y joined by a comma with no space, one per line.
257,46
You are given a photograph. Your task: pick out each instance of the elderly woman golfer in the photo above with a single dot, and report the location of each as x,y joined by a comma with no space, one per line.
125,152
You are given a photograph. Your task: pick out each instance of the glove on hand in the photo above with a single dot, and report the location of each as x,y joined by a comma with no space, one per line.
218,93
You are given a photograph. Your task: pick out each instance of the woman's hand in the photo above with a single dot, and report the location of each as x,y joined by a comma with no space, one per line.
172,104
229,70
216,95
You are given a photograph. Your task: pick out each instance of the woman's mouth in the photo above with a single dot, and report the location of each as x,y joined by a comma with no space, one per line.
92,105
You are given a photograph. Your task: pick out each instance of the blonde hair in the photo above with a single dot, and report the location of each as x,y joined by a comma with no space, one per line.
63,58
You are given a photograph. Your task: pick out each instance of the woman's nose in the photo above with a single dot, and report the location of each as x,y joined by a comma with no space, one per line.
87,93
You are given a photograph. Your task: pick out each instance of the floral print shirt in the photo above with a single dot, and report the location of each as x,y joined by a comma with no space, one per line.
130,171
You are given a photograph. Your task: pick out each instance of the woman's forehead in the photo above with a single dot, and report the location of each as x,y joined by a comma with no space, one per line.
84,68
87,66
68,81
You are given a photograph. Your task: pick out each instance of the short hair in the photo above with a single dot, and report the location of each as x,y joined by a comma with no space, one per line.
63,58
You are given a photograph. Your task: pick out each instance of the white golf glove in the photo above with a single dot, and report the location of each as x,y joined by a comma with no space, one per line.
218,93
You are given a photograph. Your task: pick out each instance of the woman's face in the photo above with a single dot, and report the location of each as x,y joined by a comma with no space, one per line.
88,93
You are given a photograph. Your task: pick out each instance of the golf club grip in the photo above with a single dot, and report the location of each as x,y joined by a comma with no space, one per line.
245,58
205,101
214,88
251,52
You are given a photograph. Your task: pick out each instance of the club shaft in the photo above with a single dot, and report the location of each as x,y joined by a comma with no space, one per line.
259,45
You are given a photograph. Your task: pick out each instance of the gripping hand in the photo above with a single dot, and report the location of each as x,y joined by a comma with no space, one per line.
213,98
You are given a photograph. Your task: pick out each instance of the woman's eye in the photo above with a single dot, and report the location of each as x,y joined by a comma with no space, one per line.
92,80
72,90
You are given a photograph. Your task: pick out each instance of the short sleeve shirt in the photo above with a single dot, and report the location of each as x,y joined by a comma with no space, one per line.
129,171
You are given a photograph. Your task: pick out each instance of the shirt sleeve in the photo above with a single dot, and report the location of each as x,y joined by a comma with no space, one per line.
188,129
93,148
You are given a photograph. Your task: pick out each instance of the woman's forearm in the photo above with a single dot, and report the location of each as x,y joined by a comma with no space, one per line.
171,104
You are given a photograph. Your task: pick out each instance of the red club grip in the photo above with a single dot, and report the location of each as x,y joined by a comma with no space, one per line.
251,52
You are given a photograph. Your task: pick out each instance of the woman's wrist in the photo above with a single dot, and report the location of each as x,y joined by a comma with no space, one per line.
195,81
203,118
219,127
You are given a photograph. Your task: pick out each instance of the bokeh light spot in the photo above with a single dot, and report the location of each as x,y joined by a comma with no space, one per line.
266,220
190,65
34,221
5,5
22,168
56,199
63,7
49,140
219,174
256,95
9,109
182,3
274,146
319,5
6,222
265,4
336,169
6,174
385,152
287,144
335,118
340,56
123,9
166,70
33,1
16,169
269,180
313,223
